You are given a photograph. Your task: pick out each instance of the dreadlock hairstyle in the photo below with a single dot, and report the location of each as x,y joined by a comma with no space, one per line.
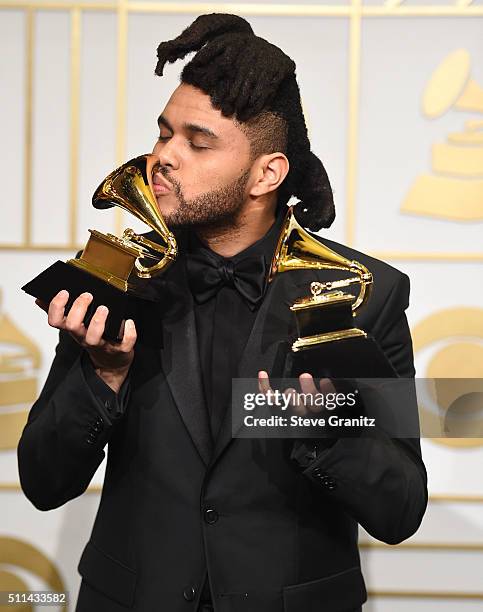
254,82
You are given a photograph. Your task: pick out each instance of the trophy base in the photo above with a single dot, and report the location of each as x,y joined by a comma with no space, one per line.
302,344
356,356
144,311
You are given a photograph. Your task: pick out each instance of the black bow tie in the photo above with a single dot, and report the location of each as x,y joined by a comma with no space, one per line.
208,273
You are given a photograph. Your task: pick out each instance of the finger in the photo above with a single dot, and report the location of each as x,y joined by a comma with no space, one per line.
307,384
42,305
96,327
129,338
56,309
310,391
296,402
74,322
326,386
291,394
264,382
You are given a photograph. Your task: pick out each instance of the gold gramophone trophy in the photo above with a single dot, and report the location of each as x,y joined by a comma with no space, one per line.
328,343
117,271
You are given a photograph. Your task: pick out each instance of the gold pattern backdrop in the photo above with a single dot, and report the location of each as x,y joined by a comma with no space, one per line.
393,94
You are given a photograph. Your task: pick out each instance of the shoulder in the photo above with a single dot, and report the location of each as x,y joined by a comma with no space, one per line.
386,277
390,288
380,269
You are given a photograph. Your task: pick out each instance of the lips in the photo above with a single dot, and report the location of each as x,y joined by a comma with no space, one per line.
161,185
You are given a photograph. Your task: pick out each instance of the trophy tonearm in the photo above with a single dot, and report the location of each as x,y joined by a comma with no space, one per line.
116,271
327,314
118,261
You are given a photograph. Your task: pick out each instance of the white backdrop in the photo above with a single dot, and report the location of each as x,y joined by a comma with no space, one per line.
79,95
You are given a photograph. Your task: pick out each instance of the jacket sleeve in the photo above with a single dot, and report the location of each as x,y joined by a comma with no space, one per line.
67,429
378,479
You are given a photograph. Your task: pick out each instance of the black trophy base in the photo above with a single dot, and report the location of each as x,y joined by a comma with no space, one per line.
145,312
356,357
325,318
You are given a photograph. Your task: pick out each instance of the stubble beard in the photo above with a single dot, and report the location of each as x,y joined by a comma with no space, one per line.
214,209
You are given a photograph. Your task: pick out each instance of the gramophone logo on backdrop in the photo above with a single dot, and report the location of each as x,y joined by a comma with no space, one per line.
452,400
22,566
19,362
454,189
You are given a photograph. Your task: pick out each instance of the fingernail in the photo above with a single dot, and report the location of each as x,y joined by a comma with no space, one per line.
87,295
63,293
102,309
305,375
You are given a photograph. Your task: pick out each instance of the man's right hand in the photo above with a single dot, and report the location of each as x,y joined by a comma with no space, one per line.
111,360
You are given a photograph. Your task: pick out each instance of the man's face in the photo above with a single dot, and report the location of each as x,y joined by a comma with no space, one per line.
204,162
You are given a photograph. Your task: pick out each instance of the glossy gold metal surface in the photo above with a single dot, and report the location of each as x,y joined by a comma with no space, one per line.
109,258
118,261
304,343
130,187
315,301
297,249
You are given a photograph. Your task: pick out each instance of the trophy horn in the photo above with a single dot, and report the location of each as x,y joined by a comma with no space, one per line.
130,187
297,249
114,270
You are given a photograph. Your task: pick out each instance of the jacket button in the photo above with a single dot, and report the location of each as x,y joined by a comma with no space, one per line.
189,593
329,482
316,471
211,516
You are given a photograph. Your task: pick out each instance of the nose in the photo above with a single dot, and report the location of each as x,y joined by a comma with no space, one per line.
166,154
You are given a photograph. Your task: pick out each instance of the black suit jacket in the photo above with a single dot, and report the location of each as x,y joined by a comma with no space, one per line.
272,535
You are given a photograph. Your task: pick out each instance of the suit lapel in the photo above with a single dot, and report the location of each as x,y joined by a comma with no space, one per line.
267,345
181,365
272,334
266,349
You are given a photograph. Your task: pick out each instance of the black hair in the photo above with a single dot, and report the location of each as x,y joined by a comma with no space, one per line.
254,82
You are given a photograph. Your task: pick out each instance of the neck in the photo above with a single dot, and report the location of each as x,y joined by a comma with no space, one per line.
243,230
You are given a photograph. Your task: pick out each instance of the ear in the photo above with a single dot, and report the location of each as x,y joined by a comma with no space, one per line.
269,171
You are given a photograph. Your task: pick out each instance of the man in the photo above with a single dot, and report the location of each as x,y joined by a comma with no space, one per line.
191,519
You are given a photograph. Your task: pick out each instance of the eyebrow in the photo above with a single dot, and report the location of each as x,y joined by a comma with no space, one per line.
190,127
200,129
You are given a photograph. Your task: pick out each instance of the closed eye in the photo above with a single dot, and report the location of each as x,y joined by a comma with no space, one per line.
193,146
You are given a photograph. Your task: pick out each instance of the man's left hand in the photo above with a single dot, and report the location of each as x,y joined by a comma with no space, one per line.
302,403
